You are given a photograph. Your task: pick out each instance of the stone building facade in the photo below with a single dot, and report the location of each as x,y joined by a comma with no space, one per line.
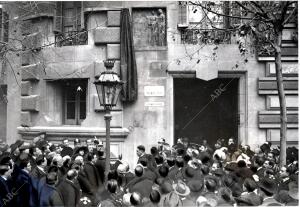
48,84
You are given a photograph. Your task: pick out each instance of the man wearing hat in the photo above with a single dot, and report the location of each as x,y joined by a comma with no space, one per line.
47,192
196,187
6,193
91,173
15,152
181,189
267,189
22,181
77,144
250,195
39,170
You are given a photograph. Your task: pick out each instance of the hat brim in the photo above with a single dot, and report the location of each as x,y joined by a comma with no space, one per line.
187,192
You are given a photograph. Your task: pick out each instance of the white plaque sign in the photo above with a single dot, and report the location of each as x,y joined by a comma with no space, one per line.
154,91
154,104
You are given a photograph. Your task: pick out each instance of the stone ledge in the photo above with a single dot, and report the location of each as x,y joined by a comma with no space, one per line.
58,132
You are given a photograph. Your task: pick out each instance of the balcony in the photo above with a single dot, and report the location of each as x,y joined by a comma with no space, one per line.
200,36
71,38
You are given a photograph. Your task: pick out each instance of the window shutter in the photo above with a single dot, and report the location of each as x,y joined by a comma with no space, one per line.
5,26
78,8
82,16
58,17
4,21
183,14
1,25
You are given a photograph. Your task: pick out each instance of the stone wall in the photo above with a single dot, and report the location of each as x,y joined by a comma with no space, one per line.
38,101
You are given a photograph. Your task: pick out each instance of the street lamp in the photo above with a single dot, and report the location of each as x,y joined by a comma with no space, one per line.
108,87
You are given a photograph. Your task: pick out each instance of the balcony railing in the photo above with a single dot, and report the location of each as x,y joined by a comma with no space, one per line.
200,36
71,38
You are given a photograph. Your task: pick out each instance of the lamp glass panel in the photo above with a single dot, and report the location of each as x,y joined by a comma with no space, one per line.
100,91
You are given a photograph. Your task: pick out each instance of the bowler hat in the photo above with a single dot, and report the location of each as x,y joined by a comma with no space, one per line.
181,188
195,185
4,159
268,185
166,187
67,151
243,201
17,144
82,148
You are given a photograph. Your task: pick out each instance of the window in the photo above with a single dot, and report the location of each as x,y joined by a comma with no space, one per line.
69,26
75,93
4,22
200,28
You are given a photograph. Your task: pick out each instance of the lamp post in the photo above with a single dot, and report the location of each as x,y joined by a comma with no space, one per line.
108,87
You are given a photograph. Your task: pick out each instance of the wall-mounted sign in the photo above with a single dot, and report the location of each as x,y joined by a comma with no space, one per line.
154,91
154,104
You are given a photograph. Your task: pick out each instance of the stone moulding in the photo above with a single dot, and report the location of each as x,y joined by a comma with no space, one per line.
57,133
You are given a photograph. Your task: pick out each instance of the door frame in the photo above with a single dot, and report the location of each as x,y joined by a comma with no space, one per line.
242,101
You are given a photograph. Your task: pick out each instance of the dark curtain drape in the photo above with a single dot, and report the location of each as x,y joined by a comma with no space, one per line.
128,64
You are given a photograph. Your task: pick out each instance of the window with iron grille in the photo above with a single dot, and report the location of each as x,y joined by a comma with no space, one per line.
69,25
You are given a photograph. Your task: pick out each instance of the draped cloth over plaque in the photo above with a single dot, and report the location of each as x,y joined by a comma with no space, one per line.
128,64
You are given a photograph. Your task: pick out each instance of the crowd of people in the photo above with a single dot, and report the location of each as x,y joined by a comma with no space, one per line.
40,173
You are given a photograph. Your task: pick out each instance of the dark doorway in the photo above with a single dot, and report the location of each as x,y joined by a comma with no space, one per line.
206,109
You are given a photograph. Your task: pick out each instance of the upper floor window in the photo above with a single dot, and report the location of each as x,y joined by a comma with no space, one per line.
69,25
198,26
4,25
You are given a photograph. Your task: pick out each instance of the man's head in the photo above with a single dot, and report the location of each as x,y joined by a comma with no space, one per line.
140,150
41,161
283,173
72,174
51,178
202,148
230,141
6,166
267,187
138,171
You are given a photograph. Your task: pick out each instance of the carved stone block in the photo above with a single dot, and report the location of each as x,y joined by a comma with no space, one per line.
32,41
25,118
113,18
113,51
30,103
26,88
30,72
107,35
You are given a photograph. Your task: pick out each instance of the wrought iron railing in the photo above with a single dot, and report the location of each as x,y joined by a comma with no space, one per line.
71,38
200,36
